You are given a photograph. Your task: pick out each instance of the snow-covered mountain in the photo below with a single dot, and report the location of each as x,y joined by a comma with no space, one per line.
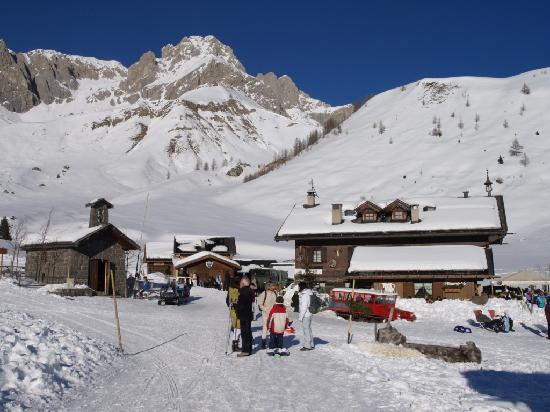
145,129
195,107
438,138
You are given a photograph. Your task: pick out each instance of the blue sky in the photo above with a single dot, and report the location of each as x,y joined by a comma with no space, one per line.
337,51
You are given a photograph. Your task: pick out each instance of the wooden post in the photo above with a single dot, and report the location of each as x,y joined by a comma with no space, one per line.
119,336
350,336
2,263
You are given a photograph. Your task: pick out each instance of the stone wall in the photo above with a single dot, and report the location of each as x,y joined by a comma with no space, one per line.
48,266
53,265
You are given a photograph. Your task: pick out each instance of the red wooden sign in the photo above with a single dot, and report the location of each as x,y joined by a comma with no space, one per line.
3,251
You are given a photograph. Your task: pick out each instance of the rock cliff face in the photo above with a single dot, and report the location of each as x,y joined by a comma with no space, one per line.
43,76
28,79
193,108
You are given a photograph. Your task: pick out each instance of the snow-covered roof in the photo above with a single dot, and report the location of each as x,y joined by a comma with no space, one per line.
62,233
159,250
182,238
220,248
445,214
418,258
74,234
181,263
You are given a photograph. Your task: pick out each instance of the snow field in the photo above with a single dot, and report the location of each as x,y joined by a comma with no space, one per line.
40,359
175,359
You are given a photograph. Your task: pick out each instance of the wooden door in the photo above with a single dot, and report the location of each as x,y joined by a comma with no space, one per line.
93,274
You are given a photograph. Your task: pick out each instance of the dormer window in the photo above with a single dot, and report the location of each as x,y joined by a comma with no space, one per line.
397,211
367,212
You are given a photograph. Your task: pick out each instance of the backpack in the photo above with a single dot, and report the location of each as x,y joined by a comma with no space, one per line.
315,303
540,302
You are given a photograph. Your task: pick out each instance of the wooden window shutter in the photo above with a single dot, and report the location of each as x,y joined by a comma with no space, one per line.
310,255
324,255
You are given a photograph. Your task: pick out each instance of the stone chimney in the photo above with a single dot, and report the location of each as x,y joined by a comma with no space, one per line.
99,212
415,214
337,217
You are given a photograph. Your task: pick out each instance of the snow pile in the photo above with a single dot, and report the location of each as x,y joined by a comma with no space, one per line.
453,310
388,350
39,360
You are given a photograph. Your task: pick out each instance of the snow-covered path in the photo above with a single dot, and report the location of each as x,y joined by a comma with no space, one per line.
175,360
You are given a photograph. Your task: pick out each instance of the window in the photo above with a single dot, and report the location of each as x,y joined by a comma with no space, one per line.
369,217
317,256
398,215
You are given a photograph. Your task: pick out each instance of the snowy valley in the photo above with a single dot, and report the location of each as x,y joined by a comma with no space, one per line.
174,127
176,143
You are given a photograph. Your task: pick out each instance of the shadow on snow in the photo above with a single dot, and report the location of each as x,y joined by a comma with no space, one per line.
530,389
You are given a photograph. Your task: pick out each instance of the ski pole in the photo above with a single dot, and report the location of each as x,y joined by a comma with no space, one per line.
229,331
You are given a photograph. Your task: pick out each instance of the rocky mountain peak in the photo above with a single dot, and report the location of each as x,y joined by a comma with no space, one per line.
199,47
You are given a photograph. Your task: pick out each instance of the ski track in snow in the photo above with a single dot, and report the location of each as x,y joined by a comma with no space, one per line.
175,360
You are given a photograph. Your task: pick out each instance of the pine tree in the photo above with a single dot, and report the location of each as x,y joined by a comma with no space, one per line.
500,160
460,124
206,167
524,160
5,229
505,124
381,127
214,164
224,163
516,149
525,89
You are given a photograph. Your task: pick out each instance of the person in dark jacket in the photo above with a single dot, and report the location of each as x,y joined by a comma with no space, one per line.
547,313
130,283
295,303
244,313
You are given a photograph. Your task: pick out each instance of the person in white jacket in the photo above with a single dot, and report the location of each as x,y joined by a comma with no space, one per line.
305,315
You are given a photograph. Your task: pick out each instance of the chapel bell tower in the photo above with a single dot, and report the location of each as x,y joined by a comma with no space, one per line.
99,212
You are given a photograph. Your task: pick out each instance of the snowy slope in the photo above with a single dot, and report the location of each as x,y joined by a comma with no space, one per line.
406,160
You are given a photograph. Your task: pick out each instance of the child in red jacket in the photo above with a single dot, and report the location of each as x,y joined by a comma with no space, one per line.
277,323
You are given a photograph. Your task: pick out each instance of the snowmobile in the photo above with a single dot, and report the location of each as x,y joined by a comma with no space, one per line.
173,294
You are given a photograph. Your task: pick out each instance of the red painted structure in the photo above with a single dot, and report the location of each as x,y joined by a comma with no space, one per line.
367,304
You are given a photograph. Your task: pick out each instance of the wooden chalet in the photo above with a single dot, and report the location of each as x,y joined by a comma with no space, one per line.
436,246
88,255
200,257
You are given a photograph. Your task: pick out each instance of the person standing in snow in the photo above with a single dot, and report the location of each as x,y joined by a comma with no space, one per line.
266,300
244,313
547,313
277,321
295,303
305,315
231,301
130,283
